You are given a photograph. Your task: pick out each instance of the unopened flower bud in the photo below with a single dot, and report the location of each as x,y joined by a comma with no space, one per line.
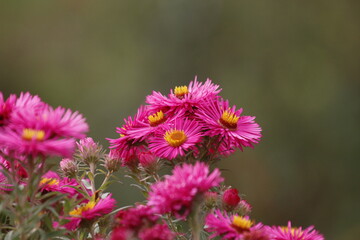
68,167
112,163
89,151
245,207
147,160
211,199
231,198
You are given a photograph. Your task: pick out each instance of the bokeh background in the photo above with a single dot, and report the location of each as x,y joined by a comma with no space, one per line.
293,64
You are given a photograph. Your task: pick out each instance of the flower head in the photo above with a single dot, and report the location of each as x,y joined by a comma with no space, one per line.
184,98
179,192
175,139
52,182
90,211
231,227
231,197
233,130
292,233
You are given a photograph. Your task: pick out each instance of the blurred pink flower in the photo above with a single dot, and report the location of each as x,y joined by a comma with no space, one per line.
232,227
178,192
292,233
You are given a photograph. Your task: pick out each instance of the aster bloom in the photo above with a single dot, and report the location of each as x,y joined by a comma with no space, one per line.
292,233
187,98
157,232
128,147
34,128
6,108
141,223
233,130
51,182
147,126
231,227
178,192
175,139
89,211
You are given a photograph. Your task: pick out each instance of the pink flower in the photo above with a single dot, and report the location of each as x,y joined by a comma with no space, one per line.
233,227
34,128
232,129
35,142
175,140
157,232
184,98
291,233
90,211
6,108
128,147
177,193
51,182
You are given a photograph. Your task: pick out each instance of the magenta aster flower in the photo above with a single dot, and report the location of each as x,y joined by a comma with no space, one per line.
51,182
232,129
90,211
175,139
128,147
187,98
178,192
6,108
233,227
291,233
157,232
140,223
35,142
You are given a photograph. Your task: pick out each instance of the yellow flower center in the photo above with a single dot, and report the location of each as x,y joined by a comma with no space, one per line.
49,181
241,224
229,120
156,118
175,137
287,230
181,91
29,134
78,211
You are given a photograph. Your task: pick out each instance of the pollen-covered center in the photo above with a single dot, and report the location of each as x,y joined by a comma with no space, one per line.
175,138
156,118
78,211
241,224
181,91
29,134
49,181
229,120
289,230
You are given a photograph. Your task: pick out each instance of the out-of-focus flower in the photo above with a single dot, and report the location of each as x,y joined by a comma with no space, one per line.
140,223
244,207
233,227
174,140
90,211
31,127
52,182
178,192
157,232
292,233
233,130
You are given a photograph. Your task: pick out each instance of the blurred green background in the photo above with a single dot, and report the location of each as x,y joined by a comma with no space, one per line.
293,64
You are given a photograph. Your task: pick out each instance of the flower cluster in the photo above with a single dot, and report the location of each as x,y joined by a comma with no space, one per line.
191,120
168,148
